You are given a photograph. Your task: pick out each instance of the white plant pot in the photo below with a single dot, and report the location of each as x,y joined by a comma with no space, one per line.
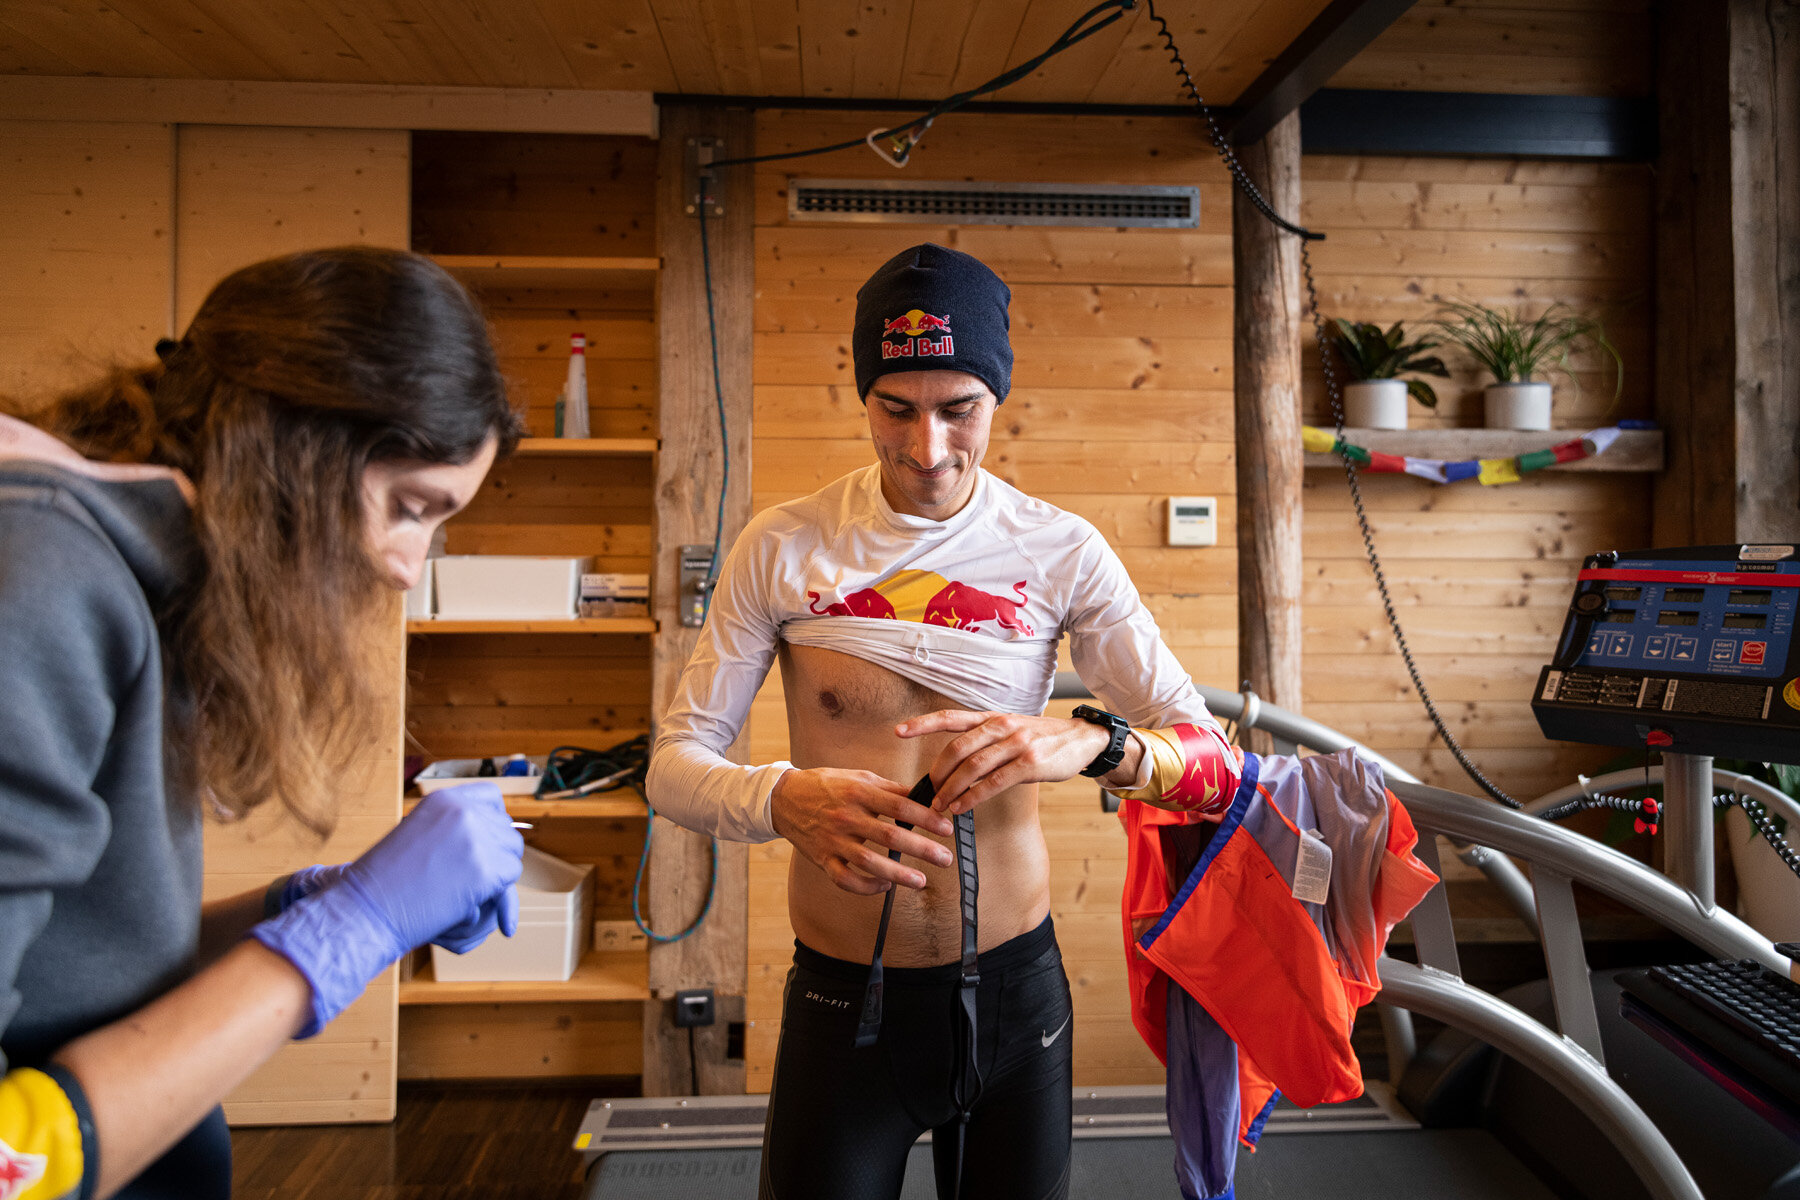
1375,404
1518,405
1768,893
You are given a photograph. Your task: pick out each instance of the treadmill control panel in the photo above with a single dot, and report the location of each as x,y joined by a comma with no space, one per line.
1689,649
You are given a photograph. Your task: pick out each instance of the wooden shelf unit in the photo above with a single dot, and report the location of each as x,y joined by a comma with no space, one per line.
600,976
554,234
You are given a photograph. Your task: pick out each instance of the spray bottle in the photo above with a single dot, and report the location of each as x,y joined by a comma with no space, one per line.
574,400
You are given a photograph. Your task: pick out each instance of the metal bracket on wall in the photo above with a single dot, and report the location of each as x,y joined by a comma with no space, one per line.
701,151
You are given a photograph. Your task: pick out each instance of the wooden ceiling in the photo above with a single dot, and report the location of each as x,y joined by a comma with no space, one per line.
864,49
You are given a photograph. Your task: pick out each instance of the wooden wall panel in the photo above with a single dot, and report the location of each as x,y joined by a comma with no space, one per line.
1481,575
86,237
509,193
1569,48
1122,396
247,193
346,1073
519,1041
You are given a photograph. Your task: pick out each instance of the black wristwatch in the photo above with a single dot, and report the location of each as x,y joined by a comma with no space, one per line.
1114,754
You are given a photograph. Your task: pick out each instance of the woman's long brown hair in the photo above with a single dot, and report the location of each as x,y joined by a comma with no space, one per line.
295,374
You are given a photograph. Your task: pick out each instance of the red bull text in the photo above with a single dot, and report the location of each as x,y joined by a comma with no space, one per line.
915,324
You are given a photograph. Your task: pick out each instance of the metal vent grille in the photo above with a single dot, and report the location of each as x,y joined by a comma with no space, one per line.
929,202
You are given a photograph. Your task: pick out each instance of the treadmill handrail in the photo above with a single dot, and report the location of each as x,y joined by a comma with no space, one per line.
1589,862
1446,998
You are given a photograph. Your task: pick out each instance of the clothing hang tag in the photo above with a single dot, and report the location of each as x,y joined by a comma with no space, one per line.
1312,869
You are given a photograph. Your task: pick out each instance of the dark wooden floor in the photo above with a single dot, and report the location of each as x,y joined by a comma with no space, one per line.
456,1142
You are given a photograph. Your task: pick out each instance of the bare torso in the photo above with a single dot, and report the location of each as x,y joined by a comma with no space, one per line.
841,713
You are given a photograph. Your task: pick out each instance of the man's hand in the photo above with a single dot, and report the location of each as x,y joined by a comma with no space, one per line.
997,751
834,818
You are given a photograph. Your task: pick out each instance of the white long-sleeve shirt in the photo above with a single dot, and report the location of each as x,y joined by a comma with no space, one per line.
972,608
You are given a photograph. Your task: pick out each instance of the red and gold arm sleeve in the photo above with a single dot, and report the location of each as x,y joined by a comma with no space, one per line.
46,1137
1193,769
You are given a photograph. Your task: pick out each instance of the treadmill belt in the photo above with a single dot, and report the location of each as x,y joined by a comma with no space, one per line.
1377,1165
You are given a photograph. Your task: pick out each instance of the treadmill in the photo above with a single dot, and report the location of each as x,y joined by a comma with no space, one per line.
1570,1086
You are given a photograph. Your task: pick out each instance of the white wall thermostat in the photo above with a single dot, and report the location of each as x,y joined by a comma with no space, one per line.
1193,521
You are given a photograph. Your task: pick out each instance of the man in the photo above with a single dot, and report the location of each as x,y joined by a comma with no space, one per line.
915,607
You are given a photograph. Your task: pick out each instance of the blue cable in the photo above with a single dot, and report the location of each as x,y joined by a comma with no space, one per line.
637,884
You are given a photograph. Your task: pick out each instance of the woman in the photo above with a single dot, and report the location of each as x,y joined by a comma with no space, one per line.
190,555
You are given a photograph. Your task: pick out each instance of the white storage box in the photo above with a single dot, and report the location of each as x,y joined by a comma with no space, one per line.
505,587
453,772
555,925
419,596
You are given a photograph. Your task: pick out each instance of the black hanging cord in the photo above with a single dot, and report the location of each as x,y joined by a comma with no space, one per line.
1333,389
1084,26
712,324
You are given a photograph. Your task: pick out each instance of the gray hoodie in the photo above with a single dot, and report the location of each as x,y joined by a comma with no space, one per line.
99,862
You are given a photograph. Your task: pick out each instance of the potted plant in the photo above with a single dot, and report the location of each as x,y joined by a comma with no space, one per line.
1518,352
1373,361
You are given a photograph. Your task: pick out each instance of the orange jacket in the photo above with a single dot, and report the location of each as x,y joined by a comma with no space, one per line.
1282,976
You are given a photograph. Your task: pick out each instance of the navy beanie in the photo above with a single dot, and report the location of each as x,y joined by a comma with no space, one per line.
932,308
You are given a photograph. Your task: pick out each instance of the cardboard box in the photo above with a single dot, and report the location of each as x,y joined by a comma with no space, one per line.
609,594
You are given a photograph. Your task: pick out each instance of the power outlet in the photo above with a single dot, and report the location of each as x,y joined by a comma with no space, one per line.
694,1008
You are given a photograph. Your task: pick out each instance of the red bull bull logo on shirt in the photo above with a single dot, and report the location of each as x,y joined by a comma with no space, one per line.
930,599
916,324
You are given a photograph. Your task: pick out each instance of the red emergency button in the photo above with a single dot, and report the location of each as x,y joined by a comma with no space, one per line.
1659,737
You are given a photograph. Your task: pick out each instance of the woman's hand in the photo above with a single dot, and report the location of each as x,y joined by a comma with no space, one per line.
996,751
834,816
450,865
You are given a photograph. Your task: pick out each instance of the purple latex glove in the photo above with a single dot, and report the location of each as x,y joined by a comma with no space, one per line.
450,867
458,939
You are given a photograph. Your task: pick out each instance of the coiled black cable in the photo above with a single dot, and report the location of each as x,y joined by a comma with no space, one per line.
1765,825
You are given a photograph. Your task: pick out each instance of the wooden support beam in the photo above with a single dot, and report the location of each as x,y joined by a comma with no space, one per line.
1764,63
1266,379
1728,273
326,105
1335,37
688,476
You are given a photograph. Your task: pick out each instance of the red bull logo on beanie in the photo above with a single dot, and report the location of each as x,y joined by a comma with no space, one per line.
917,324
930,599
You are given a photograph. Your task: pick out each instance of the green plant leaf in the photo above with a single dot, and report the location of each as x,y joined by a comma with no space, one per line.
1421,391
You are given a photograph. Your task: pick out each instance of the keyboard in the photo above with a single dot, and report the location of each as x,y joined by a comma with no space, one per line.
1745,1014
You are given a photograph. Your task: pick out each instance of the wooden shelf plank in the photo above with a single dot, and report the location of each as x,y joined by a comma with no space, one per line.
600,975
1635,449
610,806
574,625
592,446
549,271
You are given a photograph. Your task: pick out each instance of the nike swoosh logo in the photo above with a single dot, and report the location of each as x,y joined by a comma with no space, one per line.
1051,1037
